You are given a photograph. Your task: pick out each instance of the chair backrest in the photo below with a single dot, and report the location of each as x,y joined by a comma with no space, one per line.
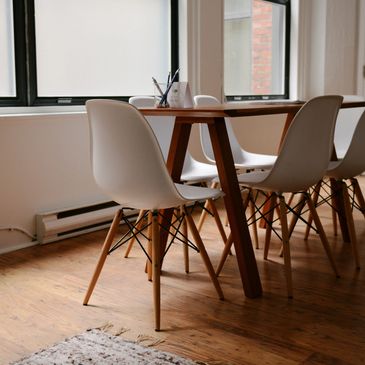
127,161
162,127
346,123
353,163
237,151
307,147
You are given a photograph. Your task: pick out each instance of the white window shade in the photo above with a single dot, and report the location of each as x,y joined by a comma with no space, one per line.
7,60
101,48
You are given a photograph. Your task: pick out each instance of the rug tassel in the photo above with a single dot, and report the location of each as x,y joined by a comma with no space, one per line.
104,327
120,331
149,341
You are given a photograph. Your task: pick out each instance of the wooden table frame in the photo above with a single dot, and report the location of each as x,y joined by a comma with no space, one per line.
214,118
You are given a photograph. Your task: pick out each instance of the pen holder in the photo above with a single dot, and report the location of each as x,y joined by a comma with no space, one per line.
159,91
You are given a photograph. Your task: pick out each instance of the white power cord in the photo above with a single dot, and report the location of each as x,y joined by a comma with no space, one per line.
18,229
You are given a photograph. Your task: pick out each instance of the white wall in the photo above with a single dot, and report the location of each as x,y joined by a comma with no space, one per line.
44,159
361,49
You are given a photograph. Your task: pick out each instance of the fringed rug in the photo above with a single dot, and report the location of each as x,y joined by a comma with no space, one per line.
96,347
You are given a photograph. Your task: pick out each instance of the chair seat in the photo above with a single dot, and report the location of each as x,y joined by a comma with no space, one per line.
199,171
195,193
254,179
256,161
251,179
242,158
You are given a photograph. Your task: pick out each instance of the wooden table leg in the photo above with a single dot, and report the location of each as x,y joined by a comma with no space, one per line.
338,199
234,206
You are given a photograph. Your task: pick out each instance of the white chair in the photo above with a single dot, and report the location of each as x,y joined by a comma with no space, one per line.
347,120
348,168
303,160
124,155
243,159
194,172
346,123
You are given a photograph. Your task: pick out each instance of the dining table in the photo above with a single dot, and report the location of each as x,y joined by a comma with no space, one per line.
214,117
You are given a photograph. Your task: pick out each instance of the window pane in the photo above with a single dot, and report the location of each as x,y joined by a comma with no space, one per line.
101,48
7,60
254,47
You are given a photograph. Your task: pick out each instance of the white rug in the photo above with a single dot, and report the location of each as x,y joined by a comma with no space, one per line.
96,347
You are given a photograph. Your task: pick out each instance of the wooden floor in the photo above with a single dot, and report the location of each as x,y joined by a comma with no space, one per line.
41,292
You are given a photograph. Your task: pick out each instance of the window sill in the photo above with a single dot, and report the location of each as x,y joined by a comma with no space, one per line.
268,102
41,110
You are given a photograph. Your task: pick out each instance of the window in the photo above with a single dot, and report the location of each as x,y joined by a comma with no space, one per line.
81,49
256,49
7,53
12,60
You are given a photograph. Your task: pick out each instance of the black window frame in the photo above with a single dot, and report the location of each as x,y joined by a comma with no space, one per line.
20,98
26,61
286,93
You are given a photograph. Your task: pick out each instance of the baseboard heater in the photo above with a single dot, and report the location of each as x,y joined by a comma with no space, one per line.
57,225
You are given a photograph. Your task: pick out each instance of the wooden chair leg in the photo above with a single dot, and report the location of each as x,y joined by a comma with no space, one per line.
350,224
229,240
322,234
149,248
210,204
138,227
298,211
204,213
316,191
359,195
265,209
291,199
226,221
294,220
184,229
225,254
203,216
228,244
254,224
217,219
286,247
176,215
203,254
249,200
156,269
104,253
334,219
269,206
